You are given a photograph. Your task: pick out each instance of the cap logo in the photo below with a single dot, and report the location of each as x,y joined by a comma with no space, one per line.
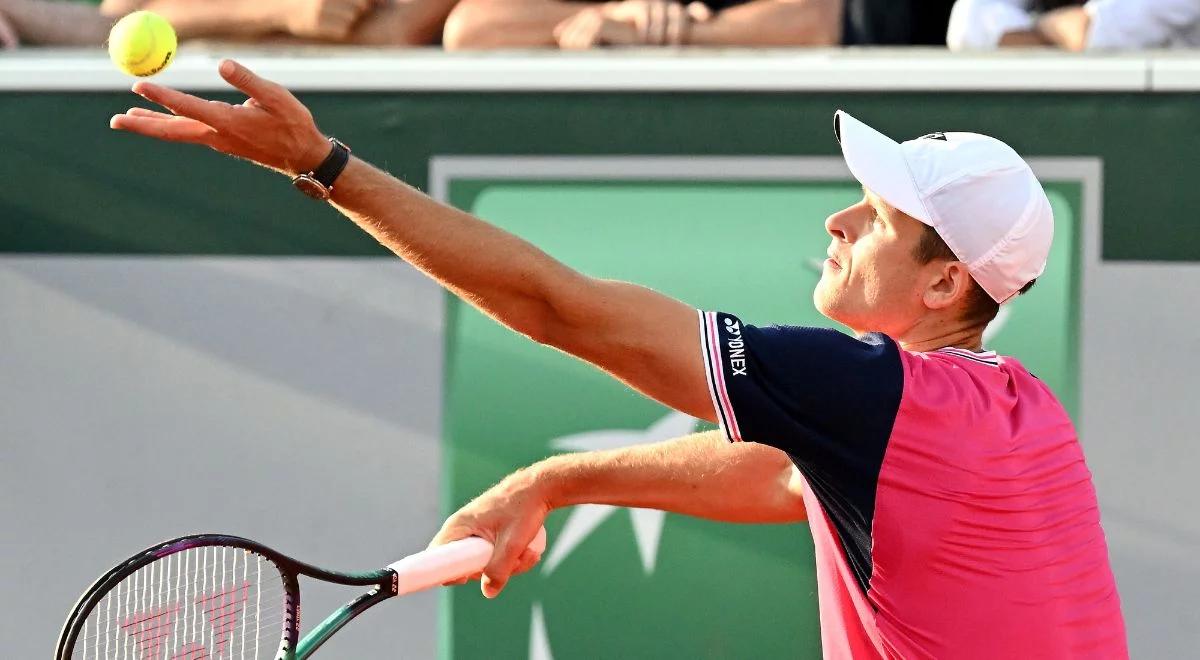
934,136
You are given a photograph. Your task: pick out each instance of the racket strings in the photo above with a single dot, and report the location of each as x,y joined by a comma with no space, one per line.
199,603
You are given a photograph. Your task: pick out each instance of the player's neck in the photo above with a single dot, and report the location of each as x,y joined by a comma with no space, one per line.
933,334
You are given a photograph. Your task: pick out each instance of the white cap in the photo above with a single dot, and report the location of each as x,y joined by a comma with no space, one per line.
974,190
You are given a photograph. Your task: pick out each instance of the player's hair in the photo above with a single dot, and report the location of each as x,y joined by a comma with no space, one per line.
980,307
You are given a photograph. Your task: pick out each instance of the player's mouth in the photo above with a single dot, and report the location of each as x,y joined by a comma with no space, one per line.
832,264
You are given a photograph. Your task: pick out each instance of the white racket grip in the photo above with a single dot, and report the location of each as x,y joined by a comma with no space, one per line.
457,559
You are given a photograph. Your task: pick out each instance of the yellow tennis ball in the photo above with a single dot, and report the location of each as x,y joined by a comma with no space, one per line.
142,44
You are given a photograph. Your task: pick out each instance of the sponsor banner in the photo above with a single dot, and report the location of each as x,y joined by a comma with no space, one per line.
638,583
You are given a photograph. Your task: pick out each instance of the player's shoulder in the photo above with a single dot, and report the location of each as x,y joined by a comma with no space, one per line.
972,381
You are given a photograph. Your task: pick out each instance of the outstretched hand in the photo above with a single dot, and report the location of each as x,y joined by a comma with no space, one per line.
271,128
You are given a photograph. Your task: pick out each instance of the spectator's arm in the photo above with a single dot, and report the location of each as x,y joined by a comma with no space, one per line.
773,23
1023,38
988,24
56,23
1135,24
9,39
403,23
480,24
319,20
209,18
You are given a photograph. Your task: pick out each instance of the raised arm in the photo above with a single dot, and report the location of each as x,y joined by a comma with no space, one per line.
699,475
645,339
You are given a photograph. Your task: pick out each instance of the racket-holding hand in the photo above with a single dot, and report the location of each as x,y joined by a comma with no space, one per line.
271,128
509,515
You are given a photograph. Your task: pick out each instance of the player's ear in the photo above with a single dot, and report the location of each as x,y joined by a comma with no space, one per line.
948,283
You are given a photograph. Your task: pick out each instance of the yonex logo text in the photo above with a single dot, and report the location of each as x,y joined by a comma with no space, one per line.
736,347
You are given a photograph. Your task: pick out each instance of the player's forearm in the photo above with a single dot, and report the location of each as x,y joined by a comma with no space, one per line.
772,23
503,275
699,475
639,336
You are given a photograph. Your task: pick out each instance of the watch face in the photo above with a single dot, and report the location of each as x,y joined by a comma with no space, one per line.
311,187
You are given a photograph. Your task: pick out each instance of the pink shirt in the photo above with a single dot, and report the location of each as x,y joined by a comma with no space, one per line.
951,509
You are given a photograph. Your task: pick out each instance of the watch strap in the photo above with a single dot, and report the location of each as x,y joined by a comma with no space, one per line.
330,168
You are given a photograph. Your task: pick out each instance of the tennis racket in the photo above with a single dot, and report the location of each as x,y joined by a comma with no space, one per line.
211,596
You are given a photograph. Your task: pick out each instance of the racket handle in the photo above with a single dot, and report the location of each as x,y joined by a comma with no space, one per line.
457,559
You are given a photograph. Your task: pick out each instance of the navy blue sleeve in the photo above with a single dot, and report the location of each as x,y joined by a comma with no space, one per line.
827,399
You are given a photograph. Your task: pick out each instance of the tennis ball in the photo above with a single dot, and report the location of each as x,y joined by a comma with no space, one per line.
142,44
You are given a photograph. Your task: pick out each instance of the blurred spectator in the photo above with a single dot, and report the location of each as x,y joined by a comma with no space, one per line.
1094,25
8,35
369,22
576,24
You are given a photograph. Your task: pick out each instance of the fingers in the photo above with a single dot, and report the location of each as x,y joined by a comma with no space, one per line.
265,92
146,112
164,127
212,113
506,557
581,31
699,12
657,31
528,560
677,20
463,580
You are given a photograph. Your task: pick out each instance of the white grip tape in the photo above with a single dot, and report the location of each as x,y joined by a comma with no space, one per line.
458,559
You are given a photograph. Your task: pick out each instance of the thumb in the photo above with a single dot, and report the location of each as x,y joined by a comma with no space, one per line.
250,83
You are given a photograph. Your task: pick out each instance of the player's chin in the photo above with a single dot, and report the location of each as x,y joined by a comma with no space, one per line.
826,297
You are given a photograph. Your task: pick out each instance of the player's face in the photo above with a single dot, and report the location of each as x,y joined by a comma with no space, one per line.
871,281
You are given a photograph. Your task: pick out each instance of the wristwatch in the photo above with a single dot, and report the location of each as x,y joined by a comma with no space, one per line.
318,183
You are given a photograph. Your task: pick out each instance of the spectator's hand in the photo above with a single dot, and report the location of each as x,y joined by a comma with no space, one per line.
509,515
331,20
631,23
271,128
8,35
658,22
589,28
1066,27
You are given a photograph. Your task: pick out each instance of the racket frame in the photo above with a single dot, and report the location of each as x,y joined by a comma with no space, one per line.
383,582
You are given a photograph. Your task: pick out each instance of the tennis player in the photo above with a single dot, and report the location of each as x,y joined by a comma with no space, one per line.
950,506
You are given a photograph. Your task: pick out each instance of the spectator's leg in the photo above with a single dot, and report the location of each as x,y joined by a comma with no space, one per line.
57,22
404,23
478,24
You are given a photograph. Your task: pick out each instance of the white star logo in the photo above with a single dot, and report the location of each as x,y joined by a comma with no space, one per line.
647,523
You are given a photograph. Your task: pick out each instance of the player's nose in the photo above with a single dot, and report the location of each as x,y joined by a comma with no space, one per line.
837,225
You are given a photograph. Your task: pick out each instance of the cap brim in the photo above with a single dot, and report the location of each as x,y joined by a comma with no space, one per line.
878,163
